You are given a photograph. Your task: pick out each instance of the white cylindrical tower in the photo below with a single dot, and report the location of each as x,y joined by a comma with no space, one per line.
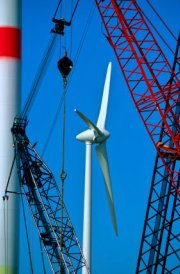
87,207
10,85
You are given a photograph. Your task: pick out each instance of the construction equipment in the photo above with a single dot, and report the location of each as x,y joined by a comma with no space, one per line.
154,87
159,249
46,205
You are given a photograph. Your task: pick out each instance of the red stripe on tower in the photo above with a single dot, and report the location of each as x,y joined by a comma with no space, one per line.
10,42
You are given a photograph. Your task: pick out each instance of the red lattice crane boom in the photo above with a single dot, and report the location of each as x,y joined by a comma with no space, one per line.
148,75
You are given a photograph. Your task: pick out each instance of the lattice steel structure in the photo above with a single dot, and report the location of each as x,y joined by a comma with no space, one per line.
46,205
160,244
147,73
154,86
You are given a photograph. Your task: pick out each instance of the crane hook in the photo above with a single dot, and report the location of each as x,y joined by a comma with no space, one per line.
65,65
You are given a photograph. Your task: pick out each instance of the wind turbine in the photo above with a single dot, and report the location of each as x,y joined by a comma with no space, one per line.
96,134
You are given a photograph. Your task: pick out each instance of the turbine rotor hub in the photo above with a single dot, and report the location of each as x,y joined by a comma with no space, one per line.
93,136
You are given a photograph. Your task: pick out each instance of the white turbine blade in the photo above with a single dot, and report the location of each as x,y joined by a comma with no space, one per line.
88,122
103,111
103,160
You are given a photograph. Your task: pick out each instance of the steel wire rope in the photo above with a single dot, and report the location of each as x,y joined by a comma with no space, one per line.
43,65
163,22
42,256
57,9
73,12
6,222
5,236
158,33
63,128
10,173
71,31
7,228
89,19
63,174
64,11
38,78
41,251
27,236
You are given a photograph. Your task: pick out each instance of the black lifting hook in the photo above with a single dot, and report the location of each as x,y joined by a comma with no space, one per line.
65,65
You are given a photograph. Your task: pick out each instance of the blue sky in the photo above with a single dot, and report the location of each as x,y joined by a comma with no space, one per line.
131,154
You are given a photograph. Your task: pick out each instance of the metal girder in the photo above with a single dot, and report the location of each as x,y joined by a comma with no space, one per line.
46,205
147,73
160,243
154,86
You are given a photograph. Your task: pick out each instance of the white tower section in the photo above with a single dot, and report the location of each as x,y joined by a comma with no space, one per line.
96,134
10,55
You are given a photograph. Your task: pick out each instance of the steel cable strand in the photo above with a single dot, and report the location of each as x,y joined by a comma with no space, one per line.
38,78
27,236
10,173
57,8
5,236
7,228
88,22
41,250
163,22
42,256
158,33
73,13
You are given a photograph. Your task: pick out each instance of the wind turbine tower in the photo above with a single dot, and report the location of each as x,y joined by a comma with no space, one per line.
10,55
96,134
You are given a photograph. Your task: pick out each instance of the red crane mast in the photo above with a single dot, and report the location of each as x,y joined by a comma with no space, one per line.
155,89
148,75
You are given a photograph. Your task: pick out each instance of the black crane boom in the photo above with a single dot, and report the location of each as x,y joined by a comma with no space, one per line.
46,205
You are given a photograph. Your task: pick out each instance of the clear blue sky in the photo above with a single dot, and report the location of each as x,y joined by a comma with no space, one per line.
131,153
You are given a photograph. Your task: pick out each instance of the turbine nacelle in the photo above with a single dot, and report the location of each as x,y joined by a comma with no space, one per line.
92,136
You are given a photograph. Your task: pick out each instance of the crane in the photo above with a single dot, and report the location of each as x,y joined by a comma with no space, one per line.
154,86
46,205
161,221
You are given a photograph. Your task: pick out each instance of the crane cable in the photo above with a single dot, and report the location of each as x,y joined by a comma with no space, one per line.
41,250
38,78
5,197
158,33
6,229
42,68
42,256
10,173
27,236
63,127
57,9
5,234
28,104
73,13
163,22
89,19
63,174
